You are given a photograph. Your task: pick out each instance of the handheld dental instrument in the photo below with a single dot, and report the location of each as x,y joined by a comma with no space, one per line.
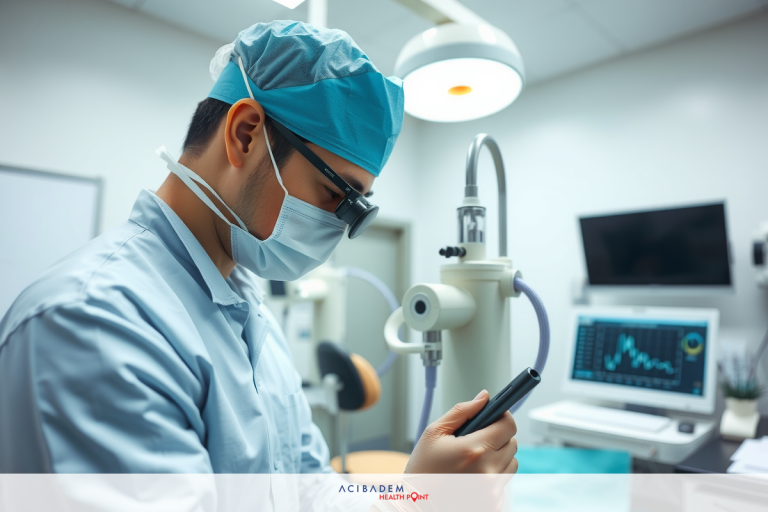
501,403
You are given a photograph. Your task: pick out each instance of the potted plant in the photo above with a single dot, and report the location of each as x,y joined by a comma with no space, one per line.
742,391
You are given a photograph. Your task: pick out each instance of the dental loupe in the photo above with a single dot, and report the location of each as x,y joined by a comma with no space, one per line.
354,208
465,319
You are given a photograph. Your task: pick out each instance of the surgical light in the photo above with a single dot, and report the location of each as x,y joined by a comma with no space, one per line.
458,72
291,4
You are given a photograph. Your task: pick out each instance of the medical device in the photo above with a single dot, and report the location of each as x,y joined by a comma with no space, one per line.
659,363
333,379
465,319
354,208
664,358
501,403
326,289
460,68
760,254
669,250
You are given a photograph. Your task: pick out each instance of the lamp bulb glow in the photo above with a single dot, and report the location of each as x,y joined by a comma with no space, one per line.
460,90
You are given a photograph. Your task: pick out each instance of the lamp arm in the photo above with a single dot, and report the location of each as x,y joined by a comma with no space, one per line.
440,12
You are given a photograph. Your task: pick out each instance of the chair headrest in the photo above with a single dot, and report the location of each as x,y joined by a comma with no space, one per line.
362,387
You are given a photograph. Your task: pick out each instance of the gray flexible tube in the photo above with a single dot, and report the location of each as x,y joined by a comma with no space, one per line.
431,380
391,300
541,315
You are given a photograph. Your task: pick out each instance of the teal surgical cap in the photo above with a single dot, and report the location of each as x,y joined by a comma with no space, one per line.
320,85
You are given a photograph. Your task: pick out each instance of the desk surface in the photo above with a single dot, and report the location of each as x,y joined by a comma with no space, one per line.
715,456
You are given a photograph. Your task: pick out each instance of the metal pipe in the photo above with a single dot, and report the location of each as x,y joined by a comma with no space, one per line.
317,11
341,418
470,190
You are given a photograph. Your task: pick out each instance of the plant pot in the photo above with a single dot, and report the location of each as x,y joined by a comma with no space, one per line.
740,418
741,406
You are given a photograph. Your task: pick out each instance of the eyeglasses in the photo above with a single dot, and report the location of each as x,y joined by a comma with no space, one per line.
354,208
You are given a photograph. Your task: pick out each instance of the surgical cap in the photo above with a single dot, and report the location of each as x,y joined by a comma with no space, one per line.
320,85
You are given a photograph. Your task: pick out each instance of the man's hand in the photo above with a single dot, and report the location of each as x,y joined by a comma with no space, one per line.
490,450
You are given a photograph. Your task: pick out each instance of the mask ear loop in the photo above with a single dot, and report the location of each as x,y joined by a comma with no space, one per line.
264,126
187,175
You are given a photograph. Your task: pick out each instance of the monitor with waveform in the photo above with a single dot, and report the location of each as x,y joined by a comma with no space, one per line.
659,250
650,356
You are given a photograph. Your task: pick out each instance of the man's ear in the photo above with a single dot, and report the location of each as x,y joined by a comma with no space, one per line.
243,129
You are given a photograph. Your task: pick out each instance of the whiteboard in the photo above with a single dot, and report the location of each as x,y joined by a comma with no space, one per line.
43,217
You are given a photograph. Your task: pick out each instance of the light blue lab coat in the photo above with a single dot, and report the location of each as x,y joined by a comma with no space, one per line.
134,354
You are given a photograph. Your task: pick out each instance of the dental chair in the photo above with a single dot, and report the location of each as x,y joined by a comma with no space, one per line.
358,388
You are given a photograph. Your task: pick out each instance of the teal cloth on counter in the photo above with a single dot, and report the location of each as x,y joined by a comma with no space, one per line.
556,459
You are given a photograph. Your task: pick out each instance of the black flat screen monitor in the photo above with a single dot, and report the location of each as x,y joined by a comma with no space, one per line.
675,247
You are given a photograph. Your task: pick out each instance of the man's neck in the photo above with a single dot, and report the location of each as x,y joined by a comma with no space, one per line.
208,228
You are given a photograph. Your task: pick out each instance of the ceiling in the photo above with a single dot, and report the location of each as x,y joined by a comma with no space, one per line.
554,36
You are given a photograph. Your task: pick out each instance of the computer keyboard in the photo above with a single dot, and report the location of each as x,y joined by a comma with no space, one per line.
615,417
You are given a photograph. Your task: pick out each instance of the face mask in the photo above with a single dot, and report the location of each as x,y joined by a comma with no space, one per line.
303,238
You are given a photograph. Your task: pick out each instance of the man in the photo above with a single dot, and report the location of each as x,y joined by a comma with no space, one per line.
149,350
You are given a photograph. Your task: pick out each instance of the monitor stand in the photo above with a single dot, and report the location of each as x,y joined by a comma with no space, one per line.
644,409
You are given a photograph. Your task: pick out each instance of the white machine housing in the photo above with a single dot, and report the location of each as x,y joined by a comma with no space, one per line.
466,318
471,309
477,355
576,424
434,307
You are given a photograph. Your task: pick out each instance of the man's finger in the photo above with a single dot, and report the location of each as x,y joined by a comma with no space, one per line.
512,467
500,459
459,414
496,435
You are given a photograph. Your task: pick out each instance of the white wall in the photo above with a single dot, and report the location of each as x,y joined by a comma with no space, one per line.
682,123
92,89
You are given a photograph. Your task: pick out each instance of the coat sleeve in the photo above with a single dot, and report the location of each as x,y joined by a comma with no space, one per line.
83,390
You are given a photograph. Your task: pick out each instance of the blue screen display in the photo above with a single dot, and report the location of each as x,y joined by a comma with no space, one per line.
653,354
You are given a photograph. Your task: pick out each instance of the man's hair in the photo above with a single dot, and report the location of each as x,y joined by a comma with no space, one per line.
205,121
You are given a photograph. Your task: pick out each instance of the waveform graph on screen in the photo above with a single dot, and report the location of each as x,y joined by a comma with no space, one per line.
639,354
648,353
626,349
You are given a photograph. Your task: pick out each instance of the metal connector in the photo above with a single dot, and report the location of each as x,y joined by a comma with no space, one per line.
433,348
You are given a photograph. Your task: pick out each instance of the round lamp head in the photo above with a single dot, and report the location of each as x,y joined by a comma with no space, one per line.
457,72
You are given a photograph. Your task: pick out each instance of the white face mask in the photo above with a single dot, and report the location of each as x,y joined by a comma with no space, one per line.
303,238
